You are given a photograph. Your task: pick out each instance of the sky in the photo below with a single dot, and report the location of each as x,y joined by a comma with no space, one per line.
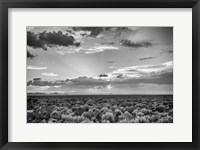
99,60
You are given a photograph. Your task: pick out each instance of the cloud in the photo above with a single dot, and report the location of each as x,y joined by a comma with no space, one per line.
168,50
50,74
99,48
94,31
60,53
110,62
141,71
87,49
36,79
103,75
155,74
109,43
39,83
30,55
38,89
146,58
50,39
57,38
74,37
36,68
86,83
132,76
119,76
34,41
102,32
129,43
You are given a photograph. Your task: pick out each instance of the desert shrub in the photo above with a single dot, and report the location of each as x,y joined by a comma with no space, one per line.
160,108
134,113
77,111
108,116
66,111
68,118
143,106
156,113
94,119
100,109
163,115
128,103
146,111
43,121
106,121
130,109
41,113
53,120
86,121
78,119
121,117
55,115
55,108
141,120
127,115
124,121
153,118
167,119
139,114
165,103
30,106
87,114
30,117
95,112
170,113
117,113
31,103
132,121
114,107
104,109
85,107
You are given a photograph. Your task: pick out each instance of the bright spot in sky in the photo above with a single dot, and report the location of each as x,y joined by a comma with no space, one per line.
109,86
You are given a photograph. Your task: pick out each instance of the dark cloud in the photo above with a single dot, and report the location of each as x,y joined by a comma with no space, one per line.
110,62
95,31
30,55
29,83
103,75
57,39
50,39
129,43
146,58
39,83
119,76
164,78
34,41
88,82
166,50
109,43
36,79
99,87
170,51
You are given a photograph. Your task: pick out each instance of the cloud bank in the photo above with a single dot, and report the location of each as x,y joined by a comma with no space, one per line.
133,76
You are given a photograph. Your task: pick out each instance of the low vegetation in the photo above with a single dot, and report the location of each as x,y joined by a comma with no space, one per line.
100,109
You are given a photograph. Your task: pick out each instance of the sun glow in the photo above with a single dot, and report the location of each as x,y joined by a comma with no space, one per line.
109,87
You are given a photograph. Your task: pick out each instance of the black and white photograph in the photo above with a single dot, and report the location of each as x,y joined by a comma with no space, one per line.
104,74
